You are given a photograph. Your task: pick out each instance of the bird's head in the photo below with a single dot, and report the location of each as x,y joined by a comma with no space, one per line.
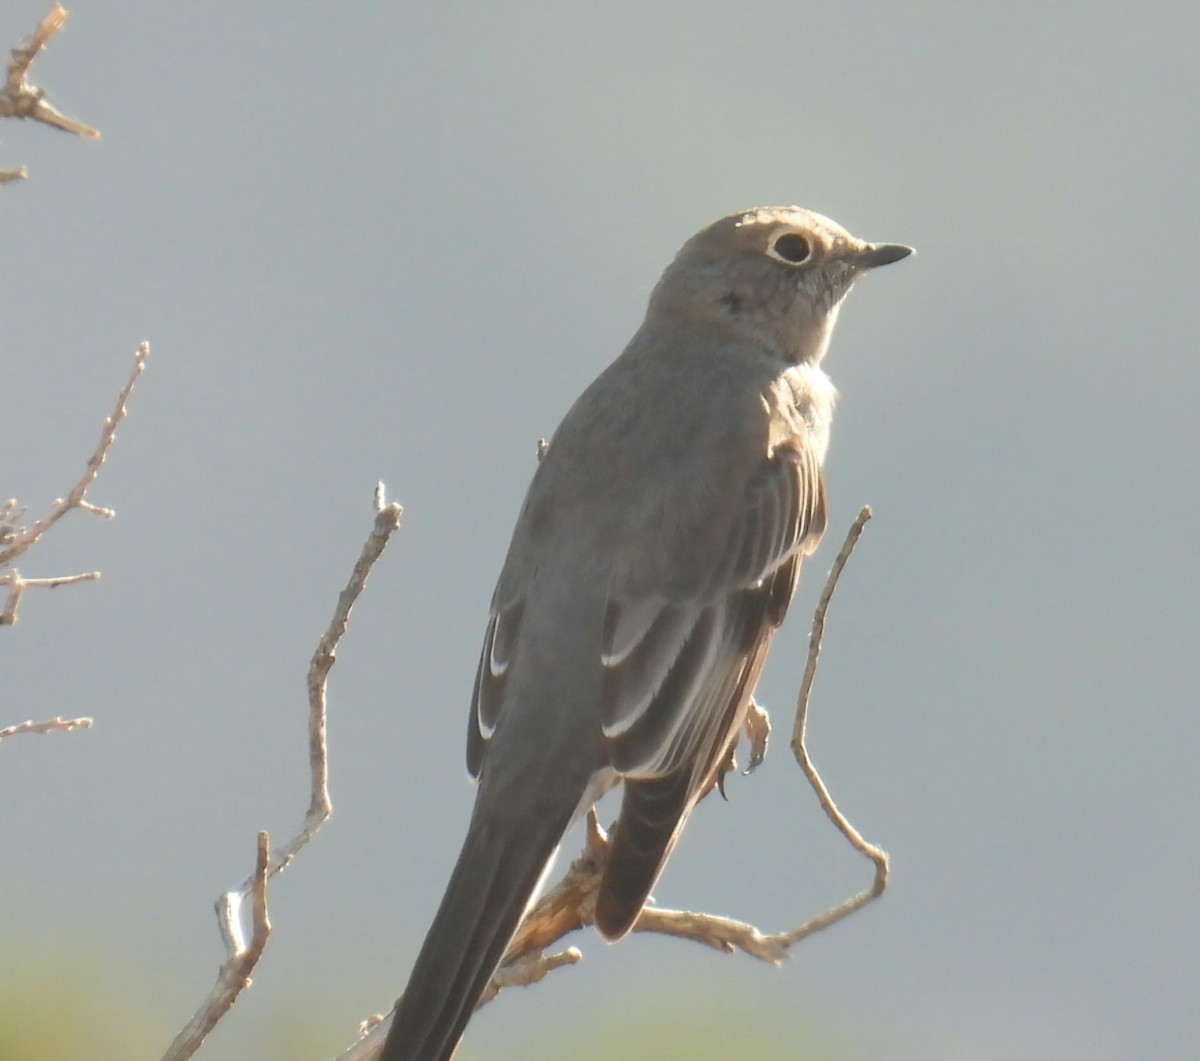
777,272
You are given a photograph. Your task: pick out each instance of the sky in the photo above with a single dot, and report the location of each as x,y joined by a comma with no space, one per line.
393,242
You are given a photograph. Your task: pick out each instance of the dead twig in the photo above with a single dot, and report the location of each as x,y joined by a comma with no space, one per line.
243,956
877,855
15,539
243,925
18,585
20,99
387,519
49,725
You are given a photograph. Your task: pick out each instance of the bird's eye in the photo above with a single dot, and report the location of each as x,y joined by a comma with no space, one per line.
791,248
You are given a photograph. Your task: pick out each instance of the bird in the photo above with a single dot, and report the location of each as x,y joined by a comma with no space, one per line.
654,557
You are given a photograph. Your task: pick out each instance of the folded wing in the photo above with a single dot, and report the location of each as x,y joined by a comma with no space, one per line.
680,669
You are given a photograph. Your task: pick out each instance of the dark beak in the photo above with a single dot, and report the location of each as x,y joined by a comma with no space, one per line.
876,254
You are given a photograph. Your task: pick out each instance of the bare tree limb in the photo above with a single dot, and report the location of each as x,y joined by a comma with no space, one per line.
24,537
877,855
387,519
571,903
244,932
15,538
18,585
20,99
235,973
49,725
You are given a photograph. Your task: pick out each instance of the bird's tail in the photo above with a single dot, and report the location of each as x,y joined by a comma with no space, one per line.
652,815
496,874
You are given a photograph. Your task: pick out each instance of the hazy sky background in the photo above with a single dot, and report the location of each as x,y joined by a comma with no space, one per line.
380,241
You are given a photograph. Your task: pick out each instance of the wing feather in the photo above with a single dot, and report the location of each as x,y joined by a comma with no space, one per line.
671,666
639,637
499,644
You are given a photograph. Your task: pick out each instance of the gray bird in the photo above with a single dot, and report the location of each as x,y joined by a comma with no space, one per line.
654,557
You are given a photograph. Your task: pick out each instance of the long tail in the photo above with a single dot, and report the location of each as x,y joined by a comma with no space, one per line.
496,874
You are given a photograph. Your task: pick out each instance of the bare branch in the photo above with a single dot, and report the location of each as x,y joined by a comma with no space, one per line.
245,937
22,538
720,933
18,585
235,973
15,539
877,855
50,725
528,971
75,499
20,99
387,519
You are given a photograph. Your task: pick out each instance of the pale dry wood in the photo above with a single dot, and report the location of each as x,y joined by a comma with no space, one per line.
17,585
243,955
242,913
800,749
16,539
49,725
387,520
20,99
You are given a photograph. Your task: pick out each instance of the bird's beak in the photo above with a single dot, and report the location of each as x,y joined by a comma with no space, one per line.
875,254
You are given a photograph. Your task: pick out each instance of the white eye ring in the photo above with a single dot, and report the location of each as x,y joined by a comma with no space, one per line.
791,248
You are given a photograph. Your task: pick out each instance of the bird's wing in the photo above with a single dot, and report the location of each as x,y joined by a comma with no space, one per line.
499,643
680,669
677,662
